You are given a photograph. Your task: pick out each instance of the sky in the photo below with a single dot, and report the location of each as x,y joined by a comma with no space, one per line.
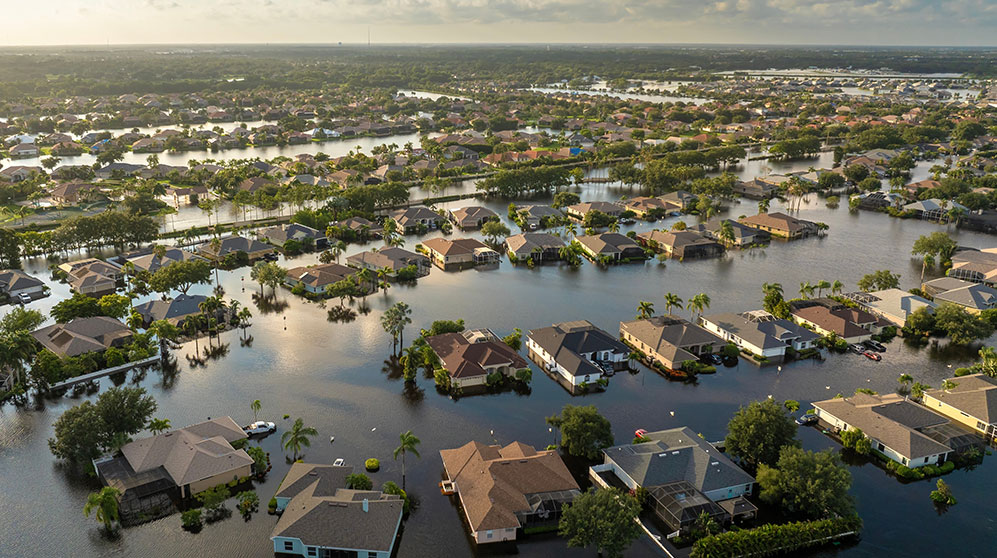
835,22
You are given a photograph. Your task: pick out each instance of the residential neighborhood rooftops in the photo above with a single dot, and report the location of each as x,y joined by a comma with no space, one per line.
14,280
83,335
495,483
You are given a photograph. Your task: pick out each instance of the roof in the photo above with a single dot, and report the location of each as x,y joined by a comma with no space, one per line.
603,206
934,205
975,395
190,454
663,333
454,247
676,239
893,302
567,341
494,482
836,321
234,243
761,329
391,258
413,214
291,231
319,276
974,295
674,455
891,419
468,353
472,214
778,221
151,262
173,310
83,335
608,243
301,475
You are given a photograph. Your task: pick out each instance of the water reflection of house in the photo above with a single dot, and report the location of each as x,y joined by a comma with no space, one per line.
503,490
685,476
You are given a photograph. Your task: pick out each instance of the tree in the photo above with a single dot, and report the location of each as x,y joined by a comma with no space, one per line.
584,432
821,285
757,433
494,230
105,504
645,310
811,485
408,443
514,339
564,199
943,494
698,303
213,498
157,426
879,281
297,437
672,300
726,233
180,276
605,518
256,406
961,327
359,481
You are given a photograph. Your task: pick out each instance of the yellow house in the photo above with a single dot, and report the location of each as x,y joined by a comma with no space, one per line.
970,400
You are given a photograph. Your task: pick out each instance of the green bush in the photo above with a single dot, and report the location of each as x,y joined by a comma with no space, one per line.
191,519
272,505
771,540
729,351
372,464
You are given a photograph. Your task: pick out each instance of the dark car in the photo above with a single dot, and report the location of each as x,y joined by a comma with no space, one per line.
806,420
875,345
713,359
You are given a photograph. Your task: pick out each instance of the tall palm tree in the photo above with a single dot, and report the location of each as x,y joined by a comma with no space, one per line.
256,406
258,273
337,248
614,226
821,285
159,425
404,318
105,504
837,286
645,310
806,289
763,206
772,288
699,303
297,437
408,444
726,233
672,300
244,316
365,278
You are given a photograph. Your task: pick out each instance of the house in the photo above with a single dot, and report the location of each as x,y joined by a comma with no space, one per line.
470,356
255,184
390,259
233,244
902,430
71,193
755,189
17,173
577,352
537,246
892,305
314,279
877,201
321,517
831,321
974,297
934,209
533,217
472,217
24,150
175,311
413,218
610,246
175,465
684,475
668,340
968,400
680,244
14,283
83,335
760,333
978,266
459,253
151,261
92,277
680,198
580,210
114,170
645,207
781,225
743,234
505,489
280,234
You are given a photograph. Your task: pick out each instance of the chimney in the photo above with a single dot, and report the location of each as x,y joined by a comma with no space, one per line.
366,505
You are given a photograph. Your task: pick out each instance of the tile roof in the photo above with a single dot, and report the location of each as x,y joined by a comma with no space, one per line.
16,280
762,330
83,335
319,276
190,454
172,310
665,333
609,243
975,395
494,482
467,354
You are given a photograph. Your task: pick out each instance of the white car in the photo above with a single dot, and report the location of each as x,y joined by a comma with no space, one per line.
24,298
339,462
259,427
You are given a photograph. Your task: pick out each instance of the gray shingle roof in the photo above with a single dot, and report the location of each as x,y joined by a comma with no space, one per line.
975,395
764,334
567,341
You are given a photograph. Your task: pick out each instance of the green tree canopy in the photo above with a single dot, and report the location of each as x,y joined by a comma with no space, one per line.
603,518
584,432
812,485
757,433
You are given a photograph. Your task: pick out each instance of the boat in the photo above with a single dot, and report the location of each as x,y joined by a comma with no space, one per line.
872,356
640,433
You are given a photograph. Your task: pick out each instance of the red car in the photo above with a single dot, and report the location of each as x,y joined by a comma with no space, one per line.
872,356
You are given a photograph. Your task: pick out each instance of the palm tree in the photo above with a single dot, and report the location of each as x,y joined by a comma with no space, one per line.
726,233
382,281
837,286
917,390
408,445
297,437
645,310
672,300
159,425
699,303
821,285
244,317
775,288
337,248
763,206
365,279
404,314
571,229
256,406
905,379
105,504
258,273
614,226
805,289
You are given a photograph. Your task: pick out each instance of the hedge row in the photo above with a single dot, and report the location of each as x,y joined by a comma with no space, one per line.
771,540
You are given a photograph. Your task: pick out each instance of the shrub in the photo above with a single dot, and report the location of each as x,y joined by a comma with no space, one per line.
272,505
770,540
191,519
729,351
372,464
392,488
359,481
248,502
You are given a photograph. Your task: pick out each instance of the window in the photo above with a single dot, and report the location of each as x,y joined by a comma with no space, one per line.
371,555
981,426
312,551
488,534
288,545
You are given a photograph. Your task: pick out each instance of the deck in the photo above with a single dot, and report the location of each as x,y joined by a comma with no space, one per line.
105,372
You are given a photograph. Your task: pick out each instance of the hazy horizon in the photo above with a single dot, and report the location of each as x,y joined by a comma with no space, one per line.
955,23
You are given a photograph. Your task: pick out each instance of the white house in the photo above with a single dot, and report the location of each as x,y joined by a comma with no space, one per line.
573,351
759,332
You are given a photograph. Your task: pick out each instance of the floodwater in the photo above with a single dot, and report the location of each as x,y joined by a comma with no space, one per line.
333,376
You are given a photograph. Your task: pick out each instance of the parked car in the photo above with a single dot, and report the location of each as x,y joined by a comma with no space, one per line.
260,428
856,348
872,356
711,358
875,345
806,420
24,298
339,462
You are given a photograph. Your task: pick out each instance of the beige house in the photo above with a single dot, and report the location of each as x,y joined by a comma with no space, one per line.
470,356
668,340
971,401
92,276
458,253
780,224
233,244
